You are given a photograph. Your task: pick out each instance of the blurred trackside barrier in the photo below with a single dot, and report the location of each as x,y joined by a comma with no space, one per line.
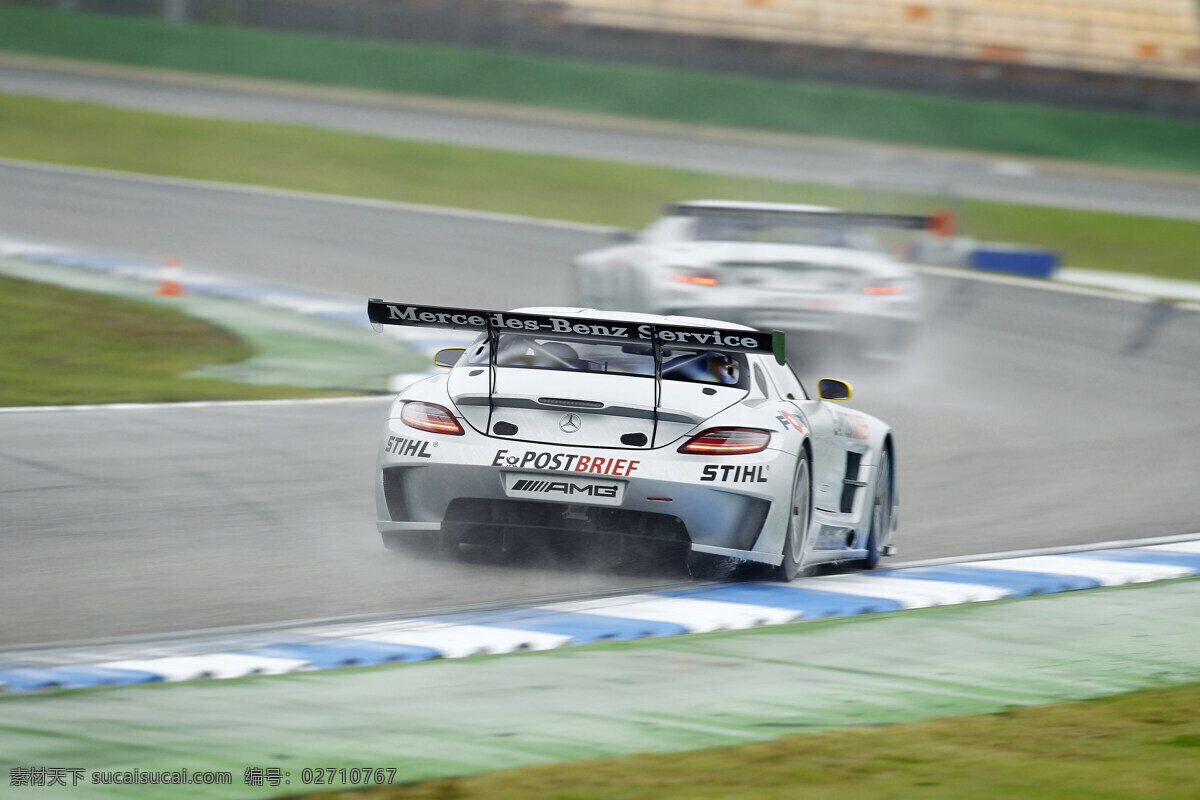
1014,260
1141,55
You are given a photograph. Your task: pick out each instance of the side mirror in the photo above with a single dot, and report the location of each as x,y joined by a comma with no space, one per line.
447,357
624,236
833,389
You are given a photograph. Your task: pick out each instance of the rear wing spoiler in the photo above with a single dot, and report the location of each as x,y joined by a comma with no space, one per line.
578,328
940,222
655,335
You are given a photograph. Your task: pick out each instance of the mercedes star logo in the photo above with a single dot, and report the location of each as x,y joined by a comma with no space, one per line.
569,423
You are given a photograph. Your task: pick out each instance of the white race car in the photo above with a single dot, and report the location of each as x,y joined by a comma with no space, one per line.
568,424
818,273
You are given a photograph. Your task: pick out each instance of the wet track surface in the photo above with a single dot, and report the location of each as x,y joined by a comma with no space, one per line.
1029,418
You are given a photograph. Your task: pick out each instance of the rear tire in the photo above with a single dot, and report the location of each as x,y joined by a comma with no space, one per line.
881,514
795,542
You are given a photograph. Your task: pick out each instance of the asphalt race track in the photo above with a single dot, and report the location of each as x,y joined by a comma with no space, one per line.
1030,418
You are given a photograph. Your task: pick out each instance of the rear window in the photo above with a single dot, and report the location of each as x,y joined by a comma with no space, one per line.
777,228
614,358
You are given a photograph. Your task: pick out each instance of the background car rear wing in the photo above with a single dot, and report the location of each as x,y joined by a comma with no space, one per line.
939,222
495,322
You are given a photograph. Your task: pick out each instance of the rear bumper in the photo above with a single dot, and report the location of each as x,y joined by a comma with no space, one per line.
667,496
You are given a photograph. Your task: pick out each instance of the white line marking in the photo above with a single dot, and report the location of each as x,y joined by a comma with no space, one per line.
1080,549
313,401
459,641
1178,547
966,273
215,665
1149,285
1109,573
912,593
698,616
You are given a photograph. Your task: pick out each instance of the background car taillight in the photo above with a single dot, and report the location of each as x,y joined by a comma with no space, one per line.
694,278
727,442
880,289
430,417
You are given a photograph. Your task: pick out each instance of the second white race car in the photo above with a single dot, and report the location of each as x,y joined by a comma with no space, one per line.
818,273
571,424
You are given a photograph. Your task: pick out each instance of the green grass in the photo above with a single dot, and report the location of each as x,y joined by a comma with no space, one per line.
1140,745
297,157
67,347
656,93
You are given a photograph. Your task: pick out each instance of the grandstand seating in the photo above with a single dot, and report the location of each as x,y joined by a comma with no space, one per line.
1149,37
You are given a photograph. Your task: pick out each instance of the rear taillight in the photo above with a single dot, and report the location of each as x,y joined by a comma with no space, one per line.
430,417
883,289
695,279
727,442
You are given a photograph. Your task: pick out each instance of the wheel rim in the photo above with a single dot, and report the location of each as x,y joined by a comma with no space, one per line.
883,503
799,520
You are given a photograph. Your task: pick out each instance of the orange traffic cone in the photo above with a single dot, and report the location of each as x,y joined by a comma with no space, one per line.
170,283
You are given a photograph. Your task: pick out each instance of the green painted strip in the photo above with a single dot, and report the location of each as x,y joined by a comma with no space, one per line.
461,717
639,91
291,348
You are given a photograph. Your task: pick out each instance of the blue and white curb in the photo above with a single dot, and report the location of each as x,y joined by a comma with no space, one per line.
702,609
